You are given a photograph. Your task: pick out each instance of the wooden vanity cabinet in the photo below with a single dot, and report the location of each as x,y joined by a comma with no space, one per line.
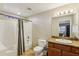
62,47
54,52
75,50
66,53
55,49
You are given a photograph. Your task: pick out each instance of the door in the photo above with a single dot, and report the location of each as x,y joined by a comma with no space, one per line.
68,30
27,34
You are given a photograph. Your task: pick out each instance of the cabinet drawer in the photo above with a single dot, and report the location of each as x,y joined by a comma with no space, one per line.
65,53
62,47
54,52
75,50
50,44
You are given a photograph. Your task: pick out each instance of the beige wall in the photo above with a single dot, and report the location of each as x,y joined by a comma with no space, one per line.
41,27
42,21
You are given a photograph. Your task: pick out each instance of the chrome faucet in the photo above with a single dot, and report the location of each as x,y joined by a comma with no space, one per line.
62,36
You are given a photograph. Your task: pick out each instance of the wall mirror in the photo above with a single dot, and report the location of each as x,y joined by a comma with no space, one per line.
64,25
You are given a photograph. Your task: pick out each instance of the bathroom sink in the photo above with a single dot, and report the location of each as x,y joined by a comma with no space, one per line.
64,41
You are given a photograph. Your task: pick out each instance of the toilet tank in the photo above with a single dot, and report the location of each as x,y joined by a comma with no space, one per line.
42,43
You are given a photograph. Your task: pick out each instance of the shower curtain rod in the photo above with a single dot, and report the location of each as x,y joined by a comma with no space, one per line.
14,17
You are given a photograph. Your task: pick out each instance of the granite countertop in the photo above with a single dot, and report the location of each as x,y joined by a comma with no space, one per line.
74,43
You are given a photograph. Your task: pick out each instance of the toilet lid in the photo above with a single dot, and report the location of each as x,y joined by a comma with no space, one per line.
38,48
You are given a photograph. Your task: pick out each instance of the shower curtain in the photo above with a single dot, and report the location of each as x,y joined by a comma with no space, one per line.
15,36
27,34
8,36
24,36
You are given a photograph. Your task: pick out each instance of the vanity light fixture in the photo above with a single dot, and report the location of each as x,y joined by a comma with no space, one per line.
65,12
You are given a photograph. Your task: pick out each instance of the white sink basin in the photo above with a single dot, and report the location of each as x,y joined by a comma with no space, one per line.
64,41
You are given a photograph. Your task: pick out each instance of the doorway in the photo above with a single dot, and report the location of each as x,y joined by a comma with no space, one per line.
64,29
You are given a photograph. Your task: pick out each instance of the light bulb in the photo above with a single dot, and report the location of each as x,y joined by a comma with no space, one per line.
71,10
58,13
62,13
66,12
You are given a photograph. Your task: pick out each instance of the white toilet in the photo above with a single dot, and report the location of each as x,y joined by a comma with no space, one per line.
38,49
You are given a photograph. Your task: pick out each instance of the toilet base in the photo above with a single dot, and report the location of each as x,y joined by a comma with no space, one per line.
39,54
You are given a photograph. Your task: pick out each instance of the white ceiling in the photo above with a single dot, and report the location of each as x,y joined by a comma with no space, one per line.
21,8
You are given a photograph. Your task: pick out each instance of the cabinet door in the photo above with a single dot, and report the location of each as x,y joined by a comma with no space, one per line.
75,50
54,52
65,53
62,47
51,45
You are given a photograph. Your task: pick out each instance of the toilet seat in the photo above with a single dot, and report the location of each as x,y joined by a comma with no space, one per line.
38,49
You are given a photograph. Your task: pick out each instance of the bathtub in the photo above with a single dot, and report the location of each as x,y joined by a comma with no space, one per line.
8,53
5,51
